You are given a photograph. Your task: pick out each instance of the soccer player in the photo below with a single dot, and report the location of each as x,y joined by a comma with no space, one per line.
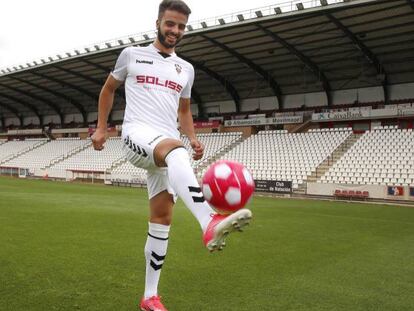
158,91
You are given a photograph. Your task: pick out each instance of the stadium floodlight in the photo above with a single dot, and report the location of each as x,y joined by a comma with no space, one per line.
8,69
131,39
189,27
97,47
59,56
35,63
300,6
324,2
50,59
146,37
278,10
29,65
15,68
259,13
43,61
77,52
68,54
221,21
88,50
21,67
240,17
3,71
120,42
108,44
204,24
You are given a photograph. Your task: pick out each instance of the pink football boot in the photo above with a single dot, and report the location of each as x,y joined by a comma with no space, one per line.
221,225
152,304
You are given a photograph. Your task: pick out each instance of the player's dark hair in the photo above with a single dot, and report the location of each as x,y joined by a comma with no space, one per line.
173,5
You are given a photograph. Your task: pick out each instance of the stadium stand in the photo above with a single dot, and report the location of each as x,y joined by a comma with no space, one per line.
382,156
126,172
91,160
43,155
14,148
279,155
214,143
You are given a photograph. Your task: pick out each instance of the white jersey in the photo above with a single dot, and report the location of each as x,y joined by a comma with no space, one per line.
153,87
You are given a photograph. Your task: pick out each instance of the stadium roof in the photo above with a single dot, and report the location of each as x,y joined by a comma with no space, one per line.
351,44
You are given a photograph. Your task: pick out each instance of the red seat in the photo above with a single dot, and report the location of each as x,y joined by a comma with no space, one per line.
351,193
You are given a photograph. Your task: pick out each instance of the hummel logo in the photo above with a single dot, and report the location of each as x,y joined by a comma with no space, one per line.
149,62
134,147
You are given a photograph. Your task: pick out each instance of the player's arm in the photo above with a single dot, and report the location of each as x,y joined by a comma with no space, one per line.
106,100
187,126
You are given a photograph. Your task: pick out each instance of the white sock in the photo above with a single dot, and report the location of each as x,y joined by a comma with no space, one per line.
155,252
184,182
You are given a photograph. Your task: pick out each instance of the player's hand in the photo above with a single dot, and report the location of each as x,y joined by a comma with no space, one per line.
99,138
198,149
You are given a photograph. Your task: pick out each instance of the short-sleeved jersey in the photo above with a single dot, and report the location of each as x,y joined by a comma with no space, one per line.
153,87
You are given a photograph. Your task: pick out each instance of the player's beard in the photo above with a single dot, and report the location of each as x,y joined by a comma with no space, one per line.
163,39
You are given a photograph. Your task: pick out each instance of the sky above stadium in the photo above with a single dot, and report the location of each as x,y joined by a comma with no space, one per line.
30,30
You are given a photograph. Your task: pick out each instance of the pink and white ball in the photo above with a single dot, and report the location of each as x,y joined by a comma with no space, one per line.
227,186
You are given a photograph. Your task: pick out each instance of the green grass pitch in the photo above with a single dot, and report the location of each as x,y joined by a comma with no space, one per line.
80,247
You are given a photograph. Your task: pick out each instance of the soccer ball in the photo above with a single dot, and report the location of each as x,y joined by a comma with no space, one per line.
227,186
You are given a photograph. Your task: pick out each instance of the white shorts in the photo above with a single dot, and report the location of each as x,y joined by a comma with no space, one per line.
139,144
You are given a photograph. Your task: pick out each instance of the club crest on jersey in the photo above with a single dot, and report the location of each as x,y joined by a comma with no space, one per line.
178,68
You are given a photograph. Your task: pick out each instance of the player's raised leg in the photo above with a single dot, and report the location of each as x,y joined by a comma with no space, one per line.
183,181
